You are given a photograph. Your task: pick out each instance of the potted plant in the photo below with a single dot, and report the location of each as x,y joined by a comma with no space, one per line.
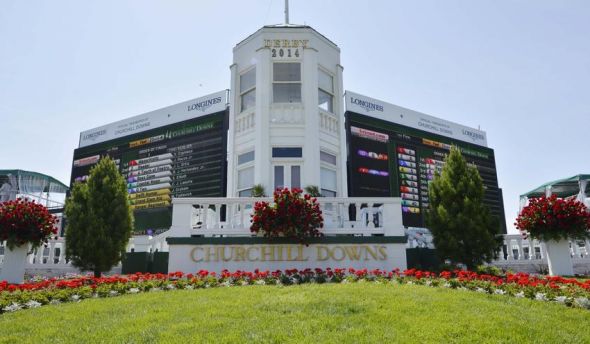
555,221
258,191
292,215
23,224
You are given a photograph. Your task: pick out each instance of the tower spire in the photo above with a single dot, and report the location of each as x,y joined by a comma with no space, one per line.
287,12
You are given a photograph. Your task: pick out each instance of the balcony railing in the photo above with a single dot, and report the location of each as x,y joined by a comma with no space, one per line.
231,216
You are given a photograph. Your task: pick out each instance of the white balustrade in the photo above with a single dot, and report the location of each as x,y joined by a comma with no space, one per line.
231,216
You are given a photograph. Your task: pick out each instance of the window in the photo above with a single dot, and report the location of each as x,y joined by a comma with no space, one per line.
286,85
287,176
279,177
325,91
248,89
328,181
287,152
245,157
328,158
295,176
246,178
245,173
328,174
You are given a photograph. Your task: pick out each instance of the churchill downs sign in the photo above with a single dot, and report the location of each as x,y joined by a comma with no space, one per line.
217,254
287,253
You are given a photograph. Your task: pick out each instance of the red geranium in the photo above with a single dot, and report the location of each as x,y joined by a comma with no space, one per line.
552,218
23,221
291,215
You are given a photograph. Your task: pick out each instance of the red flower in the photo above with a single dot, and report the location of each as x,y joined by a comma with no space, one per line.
23,221
291,215
552,218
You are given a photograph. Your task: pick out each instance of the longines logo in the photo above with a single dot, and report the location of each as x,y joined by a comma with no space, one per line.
367,106
204,105
93,136
474,136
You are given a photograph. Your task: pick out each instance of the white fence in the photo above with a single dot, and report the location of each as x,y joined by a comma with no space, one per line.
529,255
231,216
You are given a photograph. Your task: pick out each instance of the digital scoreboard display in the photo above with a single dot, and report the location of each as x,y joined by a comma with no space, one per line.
386,159
183,159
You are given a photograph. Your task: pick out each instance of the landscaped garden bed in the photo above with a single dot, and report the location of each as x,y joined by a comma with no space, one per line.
567,291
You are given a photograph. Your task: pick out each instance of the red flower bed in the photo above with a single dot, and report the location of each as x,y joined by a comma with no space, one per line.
292,215
23,221
552,218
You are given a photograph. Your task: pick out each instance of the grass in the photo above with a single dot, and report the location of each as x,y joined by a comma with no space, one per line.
329,313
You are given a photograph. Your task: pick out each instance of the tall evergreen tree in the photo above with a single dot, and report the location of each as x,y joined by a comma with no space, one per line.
462,227
99,219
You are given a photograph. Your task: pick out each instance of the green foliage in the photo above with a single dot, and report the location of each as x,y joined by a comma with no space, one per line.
319,313
258,191
489,270
462,227
313,191
99,219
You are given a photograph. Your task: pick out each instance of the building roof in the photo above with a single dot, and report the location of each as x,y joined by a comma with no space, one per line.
36,182
286,26
561,188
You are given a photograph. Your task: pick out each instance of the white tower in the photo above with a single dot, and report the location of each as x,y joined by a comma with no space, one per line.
286,118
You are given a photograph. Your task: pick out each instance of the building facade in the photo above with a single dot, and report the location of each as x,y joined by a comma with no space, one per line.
285,122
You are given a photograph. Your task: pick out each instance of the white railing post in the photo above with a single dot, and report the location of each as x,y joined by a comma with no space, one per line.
51,245
182,217
392,219
520,250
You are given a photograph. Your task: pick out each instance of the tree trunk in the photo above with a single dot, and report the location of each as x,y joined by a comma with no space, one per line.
97,273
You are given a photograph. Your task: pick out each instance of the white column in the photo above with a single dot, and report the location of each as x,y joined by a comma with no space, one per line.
13,266
520,250
531,249
262,167
559,259
339,108
310,171
51,245
234,99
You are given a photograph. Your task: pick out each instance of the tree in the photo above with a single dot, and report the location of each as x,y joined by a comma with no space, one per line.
99,219
462,227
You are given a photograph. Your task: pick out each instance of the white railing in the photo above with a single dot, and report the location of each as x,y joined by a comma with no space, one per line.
518,248
52,255
530,255
231,216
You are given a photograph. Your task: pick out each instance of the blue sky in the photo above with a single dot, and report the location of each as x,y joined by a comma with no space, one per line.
518,69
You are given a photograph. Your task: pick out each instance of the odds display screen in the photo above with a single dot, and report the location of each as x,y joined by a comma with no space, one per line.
386,159
184,159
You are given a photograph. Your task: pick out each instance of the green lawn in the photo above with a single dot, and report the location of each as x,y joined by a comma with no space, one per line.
334,313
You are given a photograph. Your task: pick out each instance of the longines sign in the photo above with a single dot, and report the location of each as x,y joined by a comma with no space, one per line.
396,114
212,103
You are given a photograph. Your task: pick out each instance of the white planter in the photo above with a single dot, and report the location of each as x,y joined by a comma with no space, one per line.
559,258
13,267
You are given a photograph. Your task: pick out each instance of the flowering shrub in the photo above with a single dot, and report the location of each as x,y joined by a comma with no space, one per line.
292,215
24,221
568,291
552,218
